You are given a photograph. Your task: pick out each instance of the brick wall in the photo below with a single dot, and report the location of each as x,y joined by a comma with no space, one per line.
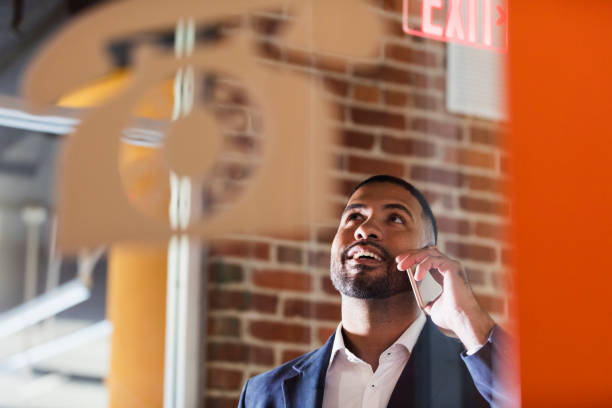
270,298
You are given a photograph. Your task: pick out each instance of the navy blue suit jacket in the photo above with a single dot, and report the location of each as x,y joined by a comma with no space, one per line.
435,376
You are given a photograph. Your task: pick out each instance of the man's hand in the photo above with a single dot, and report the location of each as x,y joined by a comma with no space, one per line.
456,309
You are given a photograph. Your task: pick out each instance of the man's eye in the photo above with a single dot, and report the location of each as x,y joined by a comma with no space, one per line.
396,219
353,216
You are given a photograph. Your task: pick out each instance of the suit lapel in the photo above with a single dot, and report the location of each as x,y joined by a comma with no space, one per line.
305,386
430,378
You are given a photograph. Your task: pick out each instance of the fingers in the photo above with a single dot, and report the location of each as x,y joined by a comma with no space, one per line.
441,264
410,258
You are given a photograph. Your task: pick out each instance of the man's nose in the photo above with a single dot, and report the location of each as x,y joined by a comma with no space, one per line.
368,230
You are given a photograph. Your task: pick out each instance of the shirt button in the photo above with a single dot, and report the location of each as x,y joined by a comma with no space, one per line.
372,385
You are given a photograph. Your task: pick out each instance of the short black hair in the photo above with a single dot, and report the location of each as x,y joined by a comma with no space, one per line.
384,178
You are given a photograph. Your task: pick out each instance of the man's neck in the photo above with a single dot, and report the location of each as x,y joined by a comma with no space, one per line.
370,326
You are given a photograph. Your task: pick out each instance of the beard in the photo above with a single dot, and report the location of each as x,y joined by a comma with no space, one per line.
363,281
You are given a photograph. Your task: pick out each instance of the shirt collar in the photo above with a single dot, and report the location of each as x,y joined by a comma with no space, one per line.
408,338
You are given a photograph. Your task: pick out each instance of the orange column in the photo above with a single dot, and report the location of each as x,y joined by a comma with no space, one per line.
137,306
136,296
136,293
561,84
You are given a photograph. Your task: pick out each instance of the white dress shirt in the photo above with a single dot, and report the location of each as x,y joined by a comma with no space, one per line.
350,382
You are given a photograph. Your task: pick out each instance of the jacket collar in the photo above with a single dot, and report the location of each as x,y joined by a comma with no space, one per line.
308,375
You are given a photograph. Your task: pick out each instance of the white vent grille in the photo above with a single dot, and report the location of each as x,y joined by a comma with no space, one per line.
476,82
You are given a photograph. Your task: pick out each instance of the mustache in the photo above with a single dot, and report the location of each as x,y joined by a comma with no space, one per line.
386,255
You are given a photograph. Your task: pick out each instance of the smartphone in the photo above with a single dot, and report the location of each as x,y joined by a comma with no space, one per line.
426,290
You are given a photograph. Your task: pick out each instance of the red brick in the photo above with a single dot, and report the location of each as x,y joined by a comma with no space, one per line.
470,251
276,331
453,225
339,161
285,280
239,300
316,310
301,58
439,83
270,50
325,235
360,140
484,206
483,183
501,282
226,93
288,235
336,86
374,166
436,175
223,326
411,55
426,102
396,145
220,272
224,379
345,187
318,259
242,249
392,5
469,157
234,119
487,230
434,197
393,75
393,26
437,128
221,402
324,332
486,136
493,304
286,254
329,63
328,286
241,143
395,98
234,171
289,355
372,117
266,25
240,353
366,93
475,276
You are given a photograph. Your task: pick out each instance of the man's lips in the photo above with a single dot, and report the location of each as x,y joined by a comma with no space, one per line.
365,253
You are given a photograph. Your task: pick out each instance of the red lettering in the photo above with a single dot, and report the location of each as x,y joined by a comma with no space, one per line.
427,24
454,24
486,22
472,20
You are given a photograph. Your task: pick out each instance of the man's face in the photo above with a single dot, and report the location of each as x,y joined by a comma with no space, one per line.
380,221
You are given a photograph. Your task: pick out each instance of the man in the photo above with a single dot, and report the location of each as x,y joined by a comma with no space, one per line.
385,352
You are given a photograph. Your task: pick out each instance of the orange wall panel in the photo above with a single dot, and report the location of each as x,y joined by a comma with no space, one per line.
561,87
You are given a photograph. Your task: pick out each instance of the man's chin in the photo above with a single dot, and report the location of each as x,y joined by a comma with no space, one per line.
372,293
363,283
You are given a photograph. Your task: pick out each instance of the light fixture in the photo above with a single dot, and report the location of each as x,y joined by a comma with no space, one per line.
42,307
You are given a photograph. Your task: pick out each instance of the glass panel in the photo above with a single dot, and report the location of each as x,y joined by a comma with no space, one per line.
130,311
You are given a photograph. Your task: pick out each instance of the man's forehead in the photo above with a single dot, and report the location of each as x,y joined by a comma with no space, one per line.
379,194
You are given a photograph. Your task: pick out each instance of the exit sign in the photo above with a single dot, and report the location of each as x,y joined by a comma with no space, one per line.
477,23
